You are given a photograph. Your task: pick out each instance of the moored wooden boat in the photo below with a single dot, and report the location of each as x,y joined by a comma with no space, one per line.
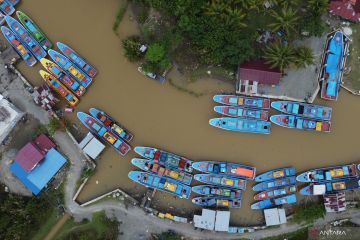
241,125
268,203
70,68
25,37
331,187
275,193
303,109
111,124
276,173
6,7
68,81
168,159
296,122
222,181
77,59
96,127
226,168
15,42
280,182
332,71
210,190
165,184
244,101
58,87
156,168
217,202
242,112
329,173
34,30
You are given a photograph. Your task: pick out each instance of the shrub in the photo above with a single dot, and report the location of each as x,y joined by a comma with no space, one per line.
309,213
131,47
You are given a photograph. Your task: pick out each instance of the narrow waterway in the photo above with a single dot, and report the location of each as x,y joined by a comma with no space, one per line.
164,117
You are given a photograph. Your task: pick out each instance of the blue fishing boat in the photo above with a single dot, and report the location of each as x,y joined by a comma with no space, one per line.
14,2
274,193
276,173
303,109
217,202
222,181
268,203
2,18
280,182
296,122
329,173
111,124
6,8
242,112
25,37
165,184
156,168
70,68
15,42
243,101
226,168
96,127
241,125
167,159
210,190
77,59
332,71
331,187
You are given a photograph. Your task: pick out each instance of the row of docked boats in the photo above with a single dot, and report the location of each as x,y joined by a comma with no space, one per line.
107,129
244,114
7,8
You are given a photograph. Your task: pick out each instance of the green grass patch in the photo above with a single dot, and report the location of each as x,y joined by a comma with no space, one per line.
119,16
301,234
99,228
308,213
46,227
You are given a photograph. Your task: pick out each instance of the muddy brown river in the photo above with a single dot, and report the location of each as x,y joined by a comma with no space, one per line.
164,117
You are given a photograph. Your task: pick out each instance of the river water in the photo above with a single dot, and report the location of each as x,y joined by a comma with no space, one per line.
164,117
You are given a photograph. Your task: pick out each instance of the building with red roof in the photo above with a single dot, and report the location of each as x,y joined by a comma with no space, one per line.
29,156
44,143
347,9
255,72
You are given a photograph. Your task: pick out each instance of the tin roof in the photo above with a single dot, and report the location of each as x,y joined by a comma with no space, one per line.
29,156
258,70
44,143
348,9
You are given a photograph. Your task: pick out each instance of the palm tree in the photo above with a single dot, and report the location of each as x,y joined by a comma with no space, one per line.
303,57
279,55
318,7
285,20
231,16
216,8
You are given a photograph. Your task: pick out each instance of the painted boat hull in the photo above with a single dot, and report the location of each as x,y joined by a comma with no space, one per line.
303,109
281,182
241,125
70,68
77,59
95,127
2,18
164,184
34,30
168,159
217,202
226,168
7,8
25,38
221,181
15,42
268,203
289,121
209,190
279,192
275,174
155,168
114,127
233,100
58,87
329,173
242,112
331,187
332,71
14,2
68,81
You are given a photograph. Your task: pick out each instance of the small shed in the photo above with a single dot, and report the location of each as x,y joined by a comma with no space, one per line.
29,156
44,143
206,220
91,146
222,221
274,216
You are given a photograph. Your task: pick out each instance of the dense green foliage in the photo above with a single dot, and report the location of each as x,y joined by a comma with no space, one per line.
309,213
303,57
156,58
131,47
301,234
50,129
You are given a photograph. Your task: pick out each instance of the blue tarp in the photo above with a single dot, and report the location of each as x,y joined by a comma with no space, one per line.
38,178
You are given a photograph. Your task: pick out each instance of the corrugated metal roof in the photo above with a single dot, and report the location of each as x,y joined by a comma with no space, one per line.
274,216
259,71
346,9
29,156
44,143
222,221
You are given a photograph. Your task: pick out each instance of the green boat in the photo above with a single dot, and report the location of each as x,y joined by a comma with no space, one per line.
34,30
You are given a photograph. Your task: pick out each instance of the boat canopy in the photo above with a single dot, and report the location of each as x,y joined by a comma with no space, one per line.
319,189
